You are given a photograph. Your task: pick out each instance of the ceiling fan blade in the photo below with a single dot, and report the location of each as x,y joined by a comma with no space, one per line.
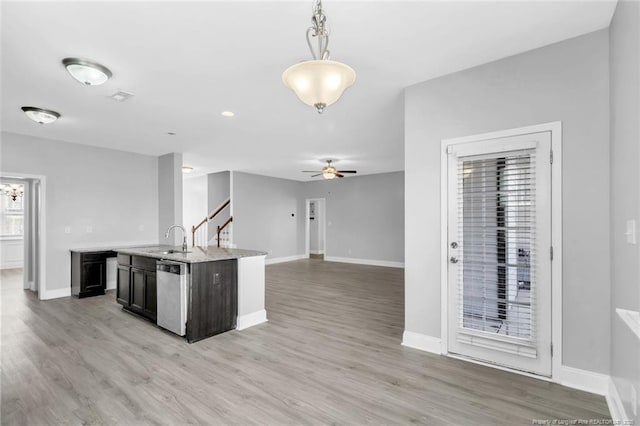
310,171
347,171
319,174
339,175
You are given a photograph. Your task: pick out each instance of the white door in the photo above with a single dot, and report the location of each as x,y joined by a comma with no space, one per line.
499,243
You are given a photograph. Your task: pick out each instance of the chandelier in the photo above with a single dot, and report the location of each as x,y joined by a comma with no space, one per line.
319,82
13,191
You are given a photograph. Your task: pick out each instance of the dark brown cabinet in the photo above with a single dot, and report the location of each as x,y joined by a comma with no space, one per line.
213,307
89,272
137,285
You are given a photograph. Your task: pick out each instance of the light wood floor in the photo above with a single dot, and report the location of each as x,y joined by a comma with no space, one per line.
330,354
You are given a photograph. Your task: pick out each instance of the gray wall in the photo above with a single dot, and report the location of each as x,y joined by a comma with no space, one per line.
625,187
194,206
364,215
567,81
114,192
170,197
262,208
219,190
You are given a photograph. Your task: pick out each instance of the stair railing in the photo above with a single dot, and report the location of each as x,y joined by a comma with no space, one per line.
209,218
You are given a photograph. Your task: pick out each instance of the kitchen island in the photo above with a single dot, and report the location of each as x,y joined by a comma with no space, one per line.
223,288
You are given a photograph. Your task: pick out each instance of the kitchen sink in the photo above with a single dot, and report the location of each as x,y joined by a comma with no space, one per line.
173,252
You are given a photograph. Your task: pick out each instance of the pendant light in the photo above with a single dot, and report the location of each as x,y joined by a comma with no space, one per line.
319,82
87,72
39,115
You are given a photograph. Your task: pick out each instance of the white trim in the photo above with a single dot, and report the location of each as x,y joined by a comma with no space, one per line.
372,262
55,294
316,251
249,320
616,407
556,231
42,226
584,380
275,260
12,264
422,342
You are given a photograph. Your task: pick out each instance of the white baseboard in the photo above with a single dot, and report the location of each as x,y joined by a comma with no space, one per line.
616,407
422,342
584,380
385,263
249,320
284,259
316,251
56,294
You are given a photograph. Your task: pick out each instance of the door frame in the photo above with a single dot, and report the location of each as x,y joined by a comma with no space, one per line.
307,228
556,237
41,218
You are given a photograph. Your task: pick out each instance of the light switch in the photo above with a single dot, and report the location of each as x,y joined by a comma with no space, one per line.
631,231
89,229
67,229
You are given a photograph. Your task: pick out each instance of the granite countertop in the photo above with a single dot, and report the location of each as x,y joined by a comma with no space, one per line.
108,248
194,255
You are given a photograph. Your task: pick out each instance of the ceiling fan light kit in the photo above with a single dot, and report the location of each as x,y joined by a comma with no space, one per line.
329,171
319,82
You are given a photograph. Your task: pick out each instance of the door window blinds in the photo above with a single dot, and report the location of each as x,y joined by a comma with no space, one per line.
496,213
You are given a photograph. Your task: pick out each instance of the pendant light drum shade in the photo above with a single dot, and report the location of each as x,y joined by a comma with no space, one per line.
319,83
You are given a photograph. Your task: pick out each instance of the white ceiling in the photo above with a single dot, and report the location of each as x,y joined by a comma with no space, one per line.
186,62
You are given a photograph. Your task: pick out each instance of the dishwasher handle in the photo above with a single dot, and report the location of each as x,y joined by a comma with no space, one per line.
171,268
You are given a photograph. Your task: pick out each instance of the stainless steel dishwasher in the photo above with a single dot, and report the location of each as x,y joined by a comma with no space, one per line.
172,293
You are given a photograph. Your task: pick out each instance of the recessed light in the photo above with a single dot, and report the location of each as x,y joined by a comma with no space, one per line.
87,72
228,113
39,115
187,169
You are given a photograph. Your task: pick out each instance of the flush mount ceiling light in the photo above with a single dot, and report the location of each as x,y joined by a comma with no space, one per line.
228,113
319,82
39,115
87,72
187,169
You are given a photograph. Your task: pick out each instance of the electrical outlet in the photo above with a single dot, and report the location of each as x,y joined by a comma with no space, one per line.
67,229
141,228
89,229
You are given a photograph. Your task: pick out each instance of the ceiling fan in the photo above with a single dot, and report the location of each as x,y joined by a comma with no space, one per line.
329,171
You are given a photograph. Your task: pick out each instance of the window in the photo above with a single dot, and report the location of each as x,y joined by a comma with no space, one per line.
12,211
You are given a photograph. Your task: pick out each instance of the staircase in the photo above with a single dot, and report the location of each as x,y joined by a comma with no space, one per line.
222,236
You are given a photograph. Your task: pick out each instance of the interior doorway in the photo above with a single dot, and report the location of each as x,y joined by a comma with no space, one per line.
23,227
315,228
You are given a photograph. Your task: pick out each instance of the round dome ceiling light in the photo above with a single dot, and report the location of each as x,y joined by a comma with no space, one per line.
228,114
87,72
187,169
39,115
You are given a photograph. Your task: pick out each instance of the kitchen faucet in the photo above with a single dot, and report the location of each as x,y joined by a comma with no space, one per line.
184,235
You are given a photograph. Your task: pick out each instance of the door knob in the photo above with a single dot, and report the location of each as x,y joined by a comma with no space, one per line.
453,259
454,245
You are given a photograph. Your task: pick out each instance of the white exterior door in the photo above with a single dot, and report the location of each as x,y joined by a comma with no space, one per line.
499,251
